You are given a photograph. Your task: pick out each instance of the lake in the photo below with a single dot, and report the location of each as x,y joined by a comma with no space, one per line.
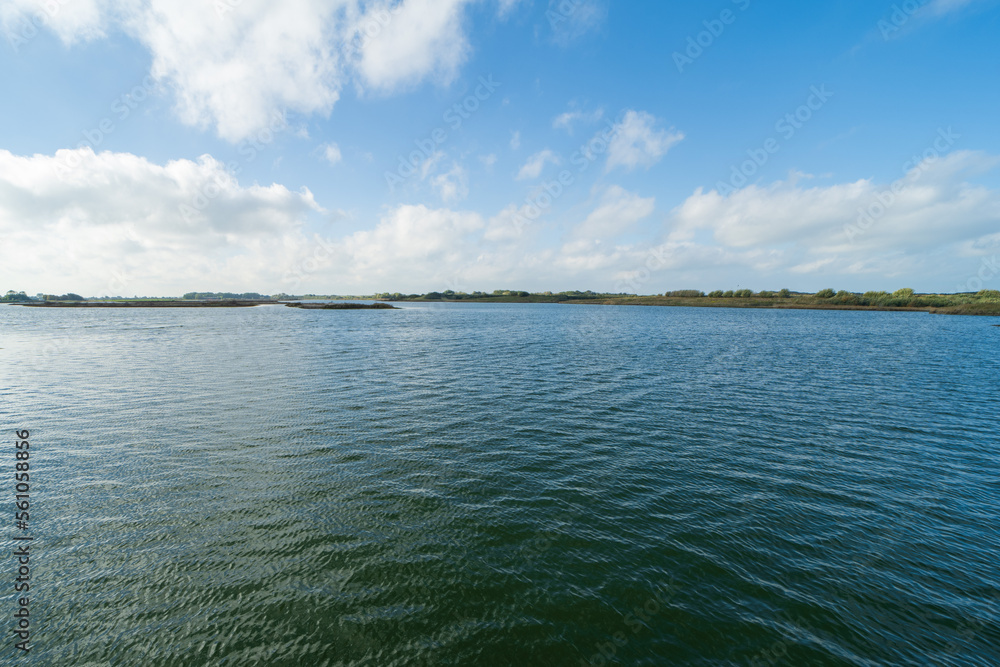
497,484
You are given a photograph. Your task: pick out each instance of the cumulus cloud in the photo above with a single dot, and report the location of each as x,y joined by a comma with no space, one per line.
536,163
411,245
617,211
509,224
79,20
77,217
422,38
930,204
637,142
851,226
118,224
234,64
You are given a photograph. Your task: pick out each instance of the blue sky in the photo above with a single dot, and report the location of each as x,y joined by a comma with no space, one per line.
154,147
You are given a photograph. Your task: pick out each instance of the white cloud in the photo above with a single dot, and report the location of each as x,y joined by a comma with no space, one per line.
566,121
847,225
617,211
536,163
637,143
424,38
331,152
452,185
488,161
235,64
509,224
506,7
78,20
76,218
411,245
515,140
429,166
571,19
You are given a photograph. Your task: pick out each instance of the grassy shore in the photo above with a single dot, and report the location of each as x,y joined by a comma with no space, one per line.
224,303
151,303
983,303
936,304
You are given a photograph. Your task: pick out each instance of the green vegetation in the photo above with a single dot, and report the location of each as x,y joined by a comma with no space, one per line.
15,297
986,302
500,296
202,296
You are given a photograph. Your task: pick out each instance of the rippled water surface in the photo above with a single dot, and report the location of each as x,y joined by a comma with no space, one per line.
507,485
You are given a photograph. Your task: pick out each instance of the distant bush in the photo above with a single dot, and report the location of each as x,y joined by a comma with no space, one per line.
989,294
765,294
826,294
876,298
686,293
743,293
728,294
849,298
15,297
904,293
717,294
785,293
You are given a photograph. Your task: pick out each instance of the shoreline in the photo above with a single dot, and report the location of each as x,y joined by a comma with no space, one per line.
980,309
229,303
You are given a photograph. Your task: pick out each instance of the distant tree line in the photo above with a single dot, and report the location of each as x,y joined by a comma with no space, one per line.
20,297
504,294
245,296
15,297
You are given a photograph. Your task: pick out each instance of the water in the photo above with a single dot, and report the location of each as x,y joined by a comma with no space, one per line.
506,485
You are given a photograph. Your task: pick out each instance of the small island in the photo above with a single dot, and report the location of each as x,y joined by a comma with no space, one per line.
343,306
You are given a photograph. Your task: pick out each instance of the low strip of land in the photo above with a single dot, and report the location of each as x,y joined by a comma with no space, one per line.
229,303
152,303
985,303
343,306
